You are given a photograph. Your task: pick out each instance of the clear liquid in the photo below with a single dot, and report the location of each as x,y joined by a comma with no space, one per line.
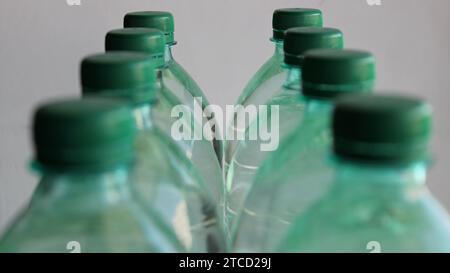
183,87
259,90
249,154
198,149
94,211
284,186
373,208
168,183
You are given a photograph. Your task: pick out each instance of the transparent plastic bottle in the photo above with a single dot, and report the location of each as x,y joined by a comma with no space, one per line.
198,149
272,74
283,186
379,200
250,153
175,76
165,180
84,150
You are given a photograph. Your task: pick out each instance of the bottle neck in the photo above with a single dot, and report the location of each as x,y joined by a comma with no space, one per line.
352,175
316,119
78,189
159,79
279,51
143,116
315,108
168,54
293,79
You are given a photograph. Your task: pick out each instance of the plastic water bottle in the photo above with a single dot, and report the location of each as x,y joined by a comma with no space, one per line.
198,149
166,180
175,76
272,74
289,103
283,186
379,201
84,152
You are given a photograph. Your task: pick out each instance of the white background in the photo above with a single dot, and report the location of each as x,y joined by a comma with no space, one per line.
221,44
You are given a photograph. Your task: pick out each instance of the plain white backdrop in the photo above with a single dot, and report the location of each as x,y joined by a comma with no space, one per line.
221,43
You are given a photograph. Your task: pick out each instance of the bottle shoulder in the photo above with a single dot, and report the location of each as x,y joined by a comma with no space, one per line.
403,222
119,225
302,146
157,151
155,145
270,68
177,77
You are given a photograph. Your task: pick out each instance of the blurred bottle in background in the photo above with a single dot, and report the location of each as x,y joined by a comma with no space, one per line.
249,153
84,151
175,76
272,74
199,150
379,198
166,181
288,181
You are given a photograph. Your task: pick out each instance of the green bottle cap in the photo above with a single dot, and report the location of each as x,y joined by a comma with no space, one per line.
383,128
284,19
128,75
301,39
161,20
145,40
327,73
84,134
